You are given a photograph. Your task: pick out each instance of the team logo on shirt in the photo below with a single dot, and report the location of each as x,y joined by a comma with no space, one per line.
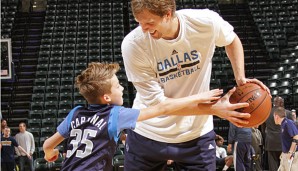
6,143
174,52
178,65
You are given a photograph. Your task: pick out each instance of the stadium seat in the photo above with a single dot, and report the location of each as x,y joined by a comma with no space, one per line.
37,105
38,97
34,131
35,114
49,122
51,105
34,122
62,113
40,164
53,81
50,113
47,131
51,96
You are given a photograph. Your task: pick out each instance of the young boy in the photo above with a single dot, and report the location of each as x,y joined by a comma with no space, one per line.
222,159
93,131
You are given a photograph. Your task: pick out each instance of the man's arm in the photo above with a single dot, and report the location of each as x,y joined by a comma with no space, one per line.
236,55
23,150
32,148
294,144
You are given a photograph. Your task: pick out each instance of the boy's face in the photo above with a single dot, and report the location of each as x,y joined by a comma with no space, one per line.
116,92
219,142
6,132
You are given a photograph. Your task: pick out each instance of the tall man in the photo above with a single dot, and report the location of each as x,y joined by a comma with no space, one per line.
170,56
25,139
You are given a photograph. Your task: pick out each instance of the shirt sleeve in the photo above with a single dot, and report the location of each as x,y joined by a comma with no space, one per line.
136,58
14,142
224,31
64,127
121,118
32,149
292,129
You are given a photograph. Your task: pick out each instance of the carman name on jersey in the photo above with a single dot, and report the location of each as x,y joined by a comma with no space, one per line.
93,120
176,59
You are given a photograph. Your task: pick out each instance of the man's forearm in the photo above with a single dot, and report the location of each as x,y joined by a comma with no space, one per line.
236,56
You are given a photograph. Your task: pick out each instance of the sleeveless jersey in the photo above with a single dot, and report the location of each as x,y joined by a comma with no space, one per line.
92,135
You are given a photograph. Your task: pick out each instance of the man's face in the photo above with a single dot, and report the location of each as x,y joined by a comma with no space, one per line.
3,123
158,27
22,127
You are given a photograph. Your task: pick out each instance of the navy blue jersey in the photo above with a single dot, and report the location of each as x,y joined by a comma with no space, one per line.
93,134
7,150
288,131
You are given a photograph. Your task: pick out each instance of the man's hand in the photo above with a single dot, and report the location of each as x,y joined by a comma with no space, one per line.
226,110
254,80
229,149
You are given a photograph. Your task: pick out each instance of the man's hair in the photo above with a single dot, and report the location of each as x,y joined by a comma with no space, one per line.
280,111
157,7
23,123
95,81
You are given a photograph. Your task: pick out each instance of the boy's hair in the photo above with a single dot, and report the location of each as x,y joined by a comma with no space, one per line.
218,138
157,7
280,111
95,81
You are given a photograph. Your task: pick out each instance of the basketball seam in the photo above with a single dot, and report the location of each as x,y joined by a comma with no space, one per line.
247,93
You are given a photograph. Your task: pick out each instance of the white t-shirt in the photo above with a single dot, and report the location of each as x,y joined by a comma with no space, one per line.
221,152
175,68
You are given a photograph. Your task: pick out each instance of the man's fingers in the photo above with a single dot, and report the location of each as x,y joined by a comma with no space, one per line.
229,94
239,105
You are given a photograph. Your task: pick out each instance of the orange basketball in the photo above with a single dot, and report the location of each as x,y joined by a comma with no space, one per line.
259,103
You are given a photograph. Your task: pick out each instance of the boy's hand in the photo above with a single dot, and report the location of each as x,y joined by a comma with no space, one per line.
53,156
224,109
209,96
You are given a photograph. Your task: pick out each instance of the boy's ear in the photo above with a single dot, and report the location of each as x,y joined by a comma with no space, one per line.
107,98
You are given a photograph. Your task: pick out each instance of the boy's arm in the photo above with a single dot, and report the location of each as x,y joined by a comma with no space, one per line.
199,105
171,105
51,154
